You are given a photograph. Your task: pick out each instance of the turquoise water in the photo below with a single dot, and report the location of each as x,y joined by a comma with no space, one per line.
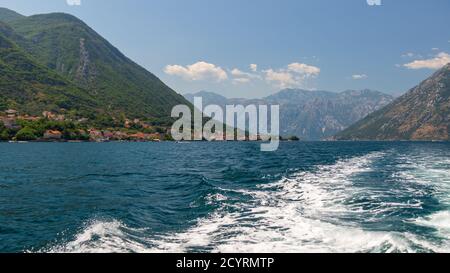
225,197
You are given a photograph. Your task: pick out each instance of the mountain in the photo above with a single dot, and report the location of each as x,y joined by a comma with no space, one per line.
208,98
312,115
65,44
29,87
421,114
7,15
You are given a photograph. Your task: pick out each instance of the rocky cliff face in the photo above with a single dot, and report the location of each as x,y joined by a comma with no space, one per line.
421,114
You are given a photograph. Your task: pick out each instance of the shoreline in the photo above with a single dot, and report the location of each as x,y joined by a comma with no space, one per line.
225,141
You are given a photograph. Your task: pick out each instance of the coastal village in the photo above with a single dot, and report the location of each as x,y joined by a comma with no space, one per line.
54,127
11,120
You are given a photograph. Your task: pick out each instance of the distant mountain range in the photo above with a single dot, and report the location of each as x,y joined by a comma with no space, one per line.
311,115
421,114
55,61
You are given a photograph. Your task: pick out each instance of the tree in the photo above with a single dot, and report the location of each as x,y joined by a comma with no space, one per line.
4,135
26,134
168,137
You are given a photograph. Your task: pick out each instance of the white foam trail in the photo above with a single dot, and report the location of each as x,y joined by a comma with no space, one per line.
296,214
433,171
440,221
288,216
102,237
215,198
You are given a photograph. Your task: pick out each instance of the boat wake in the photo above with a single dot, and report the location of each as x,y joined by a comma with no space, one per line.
323,210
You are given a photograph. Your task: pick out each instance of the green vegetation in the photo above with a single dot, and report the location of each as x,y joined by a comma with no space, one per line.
29,130
57,63
33,130
26,134
32,88
118,86
4,134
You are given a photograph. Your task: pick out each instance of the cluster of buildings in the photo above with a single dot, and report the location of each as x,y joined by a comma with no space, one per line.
53,116
105,135
9,119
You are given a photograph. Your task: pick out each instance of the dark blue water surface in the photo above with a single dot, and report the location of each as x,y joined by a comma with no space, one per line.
225,197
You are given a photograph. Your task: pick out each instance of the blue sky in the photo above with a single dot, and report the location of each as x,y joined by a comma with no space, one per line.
195,45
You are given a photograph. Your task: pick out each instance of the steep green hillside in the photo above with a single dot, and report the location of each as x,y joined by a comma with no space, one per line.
68,46
32,88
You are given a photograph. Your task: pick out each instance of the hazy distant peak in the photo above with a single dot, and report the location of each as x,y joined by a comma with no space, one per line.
366,92
311,115
7,15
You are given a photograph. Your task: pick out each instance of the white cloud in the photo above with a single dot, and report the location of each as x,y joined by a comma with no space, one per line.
243,77
374,2
282,79
198,71
408,55
294,75
359,76
435,49
241,80
437,62
304,69
240,74
73,2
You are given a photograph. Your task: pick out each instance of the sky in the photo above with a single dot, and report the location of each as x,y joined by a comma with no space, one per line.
255,48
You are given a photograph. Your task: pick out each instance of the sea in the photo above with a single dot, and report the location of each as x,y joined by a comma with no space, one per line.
222,197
